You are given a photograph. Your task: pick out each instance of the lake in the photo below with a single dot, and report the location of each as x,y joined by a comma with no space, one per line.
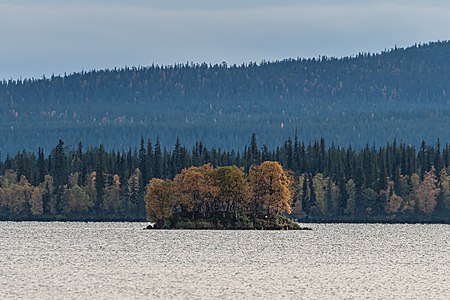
41,260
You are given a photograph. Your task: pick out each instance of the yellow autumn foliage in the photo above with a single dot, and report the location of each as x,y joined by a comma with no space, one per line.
196,191
204,190
159,199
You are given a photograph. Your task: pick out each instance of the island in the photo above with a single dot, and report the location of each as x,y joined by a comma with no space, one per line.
222,198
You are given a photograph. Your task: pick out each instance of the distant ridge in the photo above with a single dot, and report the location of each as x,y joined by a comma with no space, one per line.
402,93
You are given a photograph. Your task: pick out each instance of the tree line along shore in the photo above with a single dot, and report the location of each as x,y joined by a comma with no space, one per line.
394,183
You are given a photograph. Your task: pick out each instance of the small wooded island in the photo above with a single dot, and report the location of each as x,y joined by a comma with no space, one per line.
222,198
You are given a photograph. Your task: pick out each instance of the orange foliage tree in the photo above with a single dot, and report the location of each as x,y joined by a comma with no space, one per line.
205,190
196,191
270,188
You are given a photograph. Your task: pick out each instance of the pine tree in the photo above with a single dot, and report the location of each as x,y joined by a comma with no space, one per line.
135,202
100,178
350,189
157,161
41,166
59,172
143,162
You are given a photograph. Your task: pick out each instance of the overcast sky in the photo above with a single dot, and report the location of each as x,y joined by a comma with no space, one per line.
54,36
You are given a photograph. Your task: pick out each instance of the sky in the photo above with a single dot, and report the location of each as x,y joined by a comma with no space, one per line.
55,37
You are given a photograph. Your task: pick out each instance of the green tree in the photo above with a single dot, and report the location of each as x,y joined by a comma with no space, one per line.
134,189
112,196
320,191
58,171
48,196
3,201
369,197
76,199
351,200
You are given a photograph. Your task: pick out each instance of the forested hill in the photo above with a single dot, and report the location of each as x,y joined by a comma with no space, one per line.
369,98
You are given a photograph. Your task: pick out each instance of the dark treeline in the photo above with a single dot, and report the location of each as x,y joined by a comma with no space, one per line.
368,98
394,182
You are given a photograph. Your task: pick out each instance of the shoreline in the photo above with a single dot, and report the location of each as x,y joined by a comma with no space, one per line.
104,219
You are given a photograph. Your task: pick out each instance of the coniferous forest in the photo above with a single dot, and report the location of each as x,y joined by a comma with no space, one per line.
395,182
401,93
373,110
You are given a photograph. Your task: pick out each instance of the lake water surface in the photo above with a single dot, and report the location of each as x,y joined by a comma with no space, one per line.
40,260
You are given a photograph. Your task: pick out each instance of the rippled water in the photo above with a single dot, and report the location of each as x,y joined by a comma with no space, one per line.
120,260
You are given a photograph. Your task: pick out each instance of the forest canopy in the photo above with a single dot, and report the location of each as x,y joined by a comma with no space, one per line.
224,192
396,182
369,98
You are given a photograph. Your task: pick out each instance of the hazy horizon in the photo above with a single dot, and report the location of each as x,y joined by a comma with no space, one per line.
54,38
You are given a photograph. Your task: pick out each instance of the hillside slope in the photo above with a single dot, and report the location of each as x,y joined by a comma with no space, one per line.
368,98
